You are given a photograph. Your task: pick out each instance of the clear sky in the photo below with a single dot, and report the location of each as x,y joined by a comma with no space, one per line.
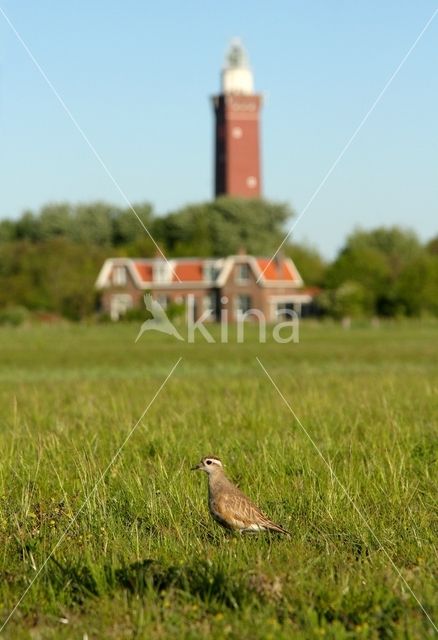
137,76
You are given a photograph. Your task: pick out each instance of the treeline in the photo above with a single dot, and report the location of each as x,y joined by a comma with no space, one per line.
49,259
383,272
214,228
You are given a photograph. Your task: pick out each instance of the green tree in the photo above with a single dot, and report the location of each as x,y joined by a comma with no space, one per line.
93,224
365,266
432,246
223,226
399,246
28,227
309,262
416,289
56,275
127,228
55,220
351,299
7,231
376,259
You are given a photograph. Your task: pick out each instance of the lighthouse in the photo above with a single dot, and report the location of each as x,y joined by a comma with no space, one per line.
237,128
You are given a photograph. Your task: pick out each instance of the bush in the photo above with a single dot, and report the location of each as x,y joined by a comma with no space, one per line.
137,314
13,316
175,310
351,299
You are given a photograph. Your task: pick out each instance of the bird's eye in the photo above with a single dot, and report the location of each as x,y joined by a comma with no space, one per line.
208,461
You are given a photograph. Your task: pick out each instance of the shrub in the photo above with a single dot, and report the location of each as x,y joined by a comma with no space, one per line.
13,315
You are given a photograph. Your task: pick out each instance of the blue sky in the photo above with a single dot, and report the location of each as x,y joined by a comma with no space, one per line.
138,75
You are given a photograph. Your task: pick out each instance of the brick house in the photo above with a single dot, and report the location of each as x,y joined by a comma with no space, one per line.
219,285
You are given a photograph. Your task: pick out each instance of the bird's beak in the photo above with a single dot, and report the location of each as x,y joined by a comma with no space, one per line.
196,467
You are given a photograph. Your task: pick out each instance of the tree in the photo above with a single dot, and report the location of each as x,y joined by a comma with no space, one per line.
365,266
351,299
127,228
93,224
376,259
399,246
309,262
56,275
417,287
223,226
28,227
7,231
432,246
55,220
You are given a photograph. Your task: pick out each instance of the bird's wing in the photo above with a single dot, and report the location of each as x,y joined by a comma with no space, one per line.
242,512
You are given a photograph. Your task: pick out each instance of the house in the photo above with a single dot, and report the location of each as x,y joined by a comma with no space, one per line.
224,287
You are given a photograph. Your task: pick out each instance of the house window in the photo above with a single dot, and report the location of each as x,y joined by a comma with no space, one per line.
242,304
162,271
209,272
242,273
288,310
209,303
119,276
119,305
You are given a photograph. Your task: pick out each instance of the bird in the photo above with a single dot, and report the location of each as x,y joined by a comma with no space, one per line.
159,320
231,508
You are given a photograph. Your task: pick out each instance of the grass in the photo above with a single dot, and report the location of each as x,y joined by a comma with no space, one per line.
143,558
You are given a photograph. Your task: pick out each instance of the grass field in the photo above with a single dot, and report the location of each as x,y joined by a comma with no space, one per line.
143,558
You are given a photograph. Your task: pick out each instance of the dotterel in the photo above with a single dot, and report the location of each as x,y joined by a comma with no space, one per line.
228,505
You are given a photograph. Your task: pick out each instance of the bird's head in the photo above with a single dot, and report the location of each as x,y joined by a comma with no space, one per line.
209,464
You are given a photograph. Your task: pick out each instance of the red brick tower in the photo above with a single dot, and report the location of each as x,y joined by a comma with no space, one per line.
237,144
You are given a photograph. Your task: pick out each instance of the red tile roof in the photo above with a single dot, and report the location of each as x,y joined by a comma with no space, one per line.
188,271
144,271
182,271
275,270
193,271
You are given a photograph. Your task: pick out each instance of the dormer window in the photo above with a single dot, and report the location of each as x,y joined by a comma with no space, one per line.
209,271
119,276
242,273
162,271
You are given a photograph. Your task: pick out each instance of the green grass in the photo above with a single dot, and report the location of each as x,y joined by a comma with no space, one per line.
143,558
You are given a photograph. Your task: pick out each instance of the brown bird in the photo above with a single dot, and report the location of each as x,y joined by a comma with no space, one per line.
228,505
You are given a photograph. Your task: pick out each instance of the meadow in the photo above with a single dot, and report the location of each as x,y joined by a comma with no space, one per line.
140,557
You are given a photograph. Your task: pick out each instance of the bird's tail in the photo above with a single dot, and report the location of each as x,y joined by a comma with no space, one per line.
277,528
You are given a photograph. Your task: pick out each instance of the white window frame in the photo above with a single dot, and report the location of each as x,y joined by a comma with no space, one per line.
162,271
238,279
209,271
120,303
119,276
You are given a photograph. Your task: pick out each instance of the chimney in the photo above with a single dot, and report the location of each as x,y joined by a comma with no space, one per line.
278,260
